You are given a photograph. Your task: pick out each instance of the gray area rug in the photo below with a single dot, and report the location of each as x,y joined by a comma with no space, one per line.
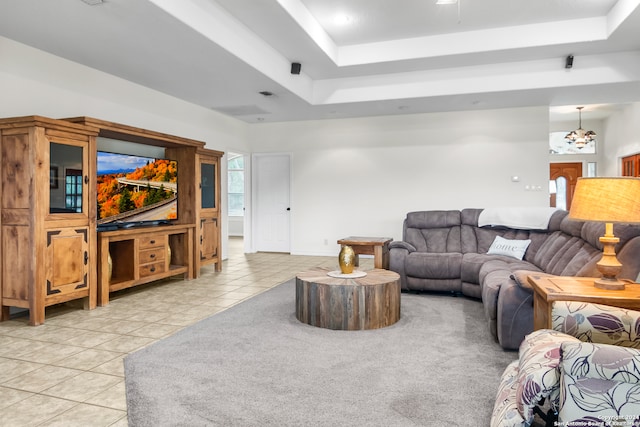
255,364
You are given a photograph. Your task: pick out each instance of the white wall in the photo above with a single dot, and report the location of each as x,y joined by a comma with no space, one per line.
361,176
622,132
37,83
33,82
236,226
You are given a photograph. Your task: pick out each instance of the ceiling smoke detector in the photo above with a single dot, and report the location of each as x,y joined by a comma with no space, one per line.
93,2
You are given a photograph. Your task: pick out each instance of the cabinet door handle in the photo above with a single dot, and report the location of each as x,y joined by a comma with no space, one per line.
86,179
152,242
152,256
152,269
86,257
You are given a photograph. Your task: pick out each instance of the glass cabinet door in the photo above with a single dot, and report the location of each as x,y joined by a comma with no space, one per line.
66,178
208,185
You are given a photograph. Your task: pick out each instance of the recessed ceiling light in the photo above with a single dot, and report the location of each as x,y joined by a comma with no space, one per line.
446,1
265,93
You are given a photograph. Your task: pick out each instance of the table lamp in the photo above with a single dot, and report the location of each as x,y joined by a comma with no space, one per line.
608,200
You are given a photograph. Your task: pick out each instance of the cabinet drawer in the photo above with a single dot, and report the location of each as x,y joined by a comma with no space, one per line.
151,269
152,241
152,255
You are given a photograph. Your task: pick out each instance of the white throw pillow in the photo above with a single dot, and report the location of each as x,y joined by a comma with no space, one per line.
512,248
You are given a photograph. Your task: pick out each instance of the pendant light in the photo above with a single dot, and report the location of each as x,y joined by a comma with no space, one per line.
579,136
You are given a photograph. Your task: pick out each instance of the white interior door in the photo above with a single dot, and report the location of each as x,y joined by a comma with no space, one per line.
271,189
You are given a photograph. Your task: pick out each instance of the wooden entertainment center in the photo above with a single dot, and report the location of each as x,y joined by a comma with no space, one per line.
142,255
50,248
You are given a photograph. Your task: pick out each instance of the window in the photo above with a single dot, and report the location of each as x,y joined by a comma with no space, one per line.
235,169
73,190
561,192
559,145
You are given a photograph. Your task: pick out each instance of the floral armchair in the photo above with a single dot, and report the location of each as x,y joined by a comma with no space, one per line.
586,371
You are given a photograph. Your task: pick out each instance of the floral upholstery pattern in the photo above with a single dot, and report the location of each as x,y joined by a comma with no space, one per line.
588,366
505,411
538,375
599,382
597,323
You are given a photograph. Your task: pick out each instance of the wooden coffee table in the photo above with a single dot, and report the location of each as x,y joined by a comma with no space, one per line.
376,246
547,289
369,302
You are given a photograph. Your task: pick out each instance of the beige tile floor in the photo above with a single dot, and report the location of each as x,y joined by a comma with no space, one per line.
69,371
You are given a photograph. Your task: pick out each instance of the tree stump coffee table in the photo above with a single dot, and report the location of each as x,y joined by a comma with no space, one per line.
368,302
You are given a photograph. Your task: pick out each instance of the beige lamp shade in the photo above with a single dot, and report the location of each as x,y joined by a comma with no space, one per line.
607,200
610,200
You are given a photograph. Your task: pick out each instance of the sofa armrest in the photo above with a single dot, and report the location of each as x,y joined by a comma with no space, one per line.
396,244
597,323
398,252
521,277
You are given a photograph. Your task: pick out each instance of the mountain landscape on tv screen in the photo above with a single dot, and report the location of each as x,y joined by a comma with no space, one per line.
133,188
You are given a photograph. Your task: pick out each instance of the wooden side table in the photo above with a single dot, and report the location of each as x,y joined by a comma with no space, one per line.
547,289
376,246
368,302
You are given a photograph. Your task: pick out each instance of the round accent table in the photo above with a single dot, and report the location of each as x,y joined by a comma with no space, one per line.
368,302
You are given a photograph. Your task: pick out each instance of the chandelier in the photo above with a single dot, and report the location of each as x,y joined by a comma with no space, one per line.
579,136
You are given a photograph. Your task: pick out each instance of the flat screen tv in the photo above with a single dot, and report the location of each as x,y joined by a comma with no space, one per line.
136,190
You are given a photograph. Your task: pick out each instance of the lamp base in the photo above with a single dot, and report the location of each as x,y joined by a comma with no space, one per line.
609,265
609,284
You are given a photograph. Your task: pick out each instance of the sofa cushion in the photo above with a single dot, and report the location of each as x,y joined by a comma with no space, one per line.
433,231
556,219
564,255
474,266
506,266
433,265
628,257
432,219
507,247
438,285
571,227
479,240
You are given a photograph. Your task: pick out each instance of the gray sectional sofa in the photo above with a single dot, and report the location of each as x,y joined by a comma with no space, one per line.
448,251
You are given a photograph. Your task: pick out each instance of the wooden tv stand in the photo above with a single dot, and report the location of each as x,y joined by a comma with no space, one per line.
142,255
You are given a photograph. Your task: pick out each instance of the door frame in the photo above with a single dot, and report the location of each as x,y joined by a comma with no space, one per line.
246,219
252,246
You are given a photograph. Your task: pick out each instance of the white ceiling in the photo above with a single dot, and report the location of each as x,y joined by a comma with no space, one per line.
391,56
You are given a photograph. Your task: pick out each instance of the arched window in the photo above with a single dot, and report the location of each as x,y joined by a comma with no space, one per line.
561,192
